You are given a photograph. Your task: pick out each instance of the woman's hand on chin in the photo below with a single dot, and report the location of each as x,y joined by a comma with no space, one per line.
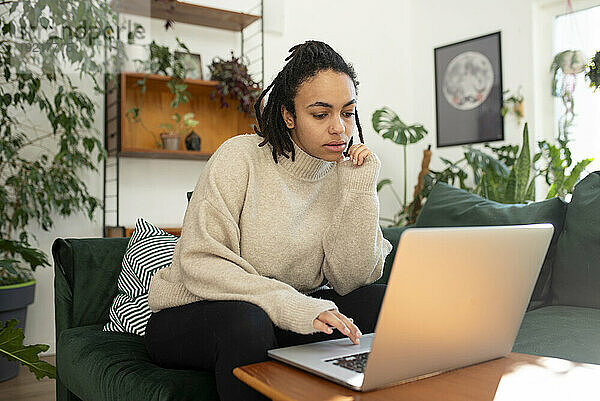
357,153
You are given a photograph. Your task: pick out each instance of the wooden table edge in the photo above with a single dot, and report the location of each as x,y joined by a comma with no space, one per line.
244,373
259,386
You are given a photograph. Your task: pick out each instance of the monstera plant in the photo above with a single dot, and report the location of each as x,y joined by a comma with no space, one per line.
387,124
504,174
47,133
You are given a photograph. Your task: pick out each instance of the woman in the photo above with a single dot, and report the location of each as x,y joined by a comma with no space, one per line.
275,218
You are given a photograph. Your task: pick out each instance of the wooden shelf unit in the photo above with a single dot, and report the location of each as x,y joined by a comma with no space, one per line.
164,154
128,139
138,139
186,12
176,231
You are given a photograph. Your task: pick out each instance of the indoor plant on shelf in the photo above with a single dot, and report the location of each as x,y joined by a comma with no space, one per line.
162,61
235,82
182,126
47,137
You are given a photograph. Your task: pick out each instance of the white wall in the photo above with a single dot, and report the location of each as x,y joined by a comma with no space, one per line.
375,41
390,44
452,21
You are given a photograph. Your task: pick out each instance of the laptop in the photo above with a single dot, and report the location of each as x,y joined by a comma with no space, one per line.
456,296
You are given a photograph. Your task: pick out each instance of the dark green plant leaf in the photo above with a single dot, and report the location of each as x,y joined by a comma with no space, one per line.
522,169
387,123
482,163
12,348
31,255
593,72
35,191
530,194
383,183
9,265
573,178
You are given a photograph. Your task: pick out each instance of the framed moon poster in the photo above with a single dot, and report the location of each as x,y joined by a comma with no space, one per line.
468,88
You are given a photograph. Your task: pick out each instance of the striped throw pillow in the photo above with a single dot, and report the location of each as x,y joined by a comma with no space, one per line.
149,250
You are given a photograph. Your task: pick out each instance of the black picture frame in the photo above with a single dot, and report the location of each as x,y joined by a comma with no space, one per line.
468,99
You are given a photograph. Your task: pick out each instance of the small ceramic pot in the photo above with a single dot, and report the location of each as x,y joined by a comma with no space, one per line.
170,141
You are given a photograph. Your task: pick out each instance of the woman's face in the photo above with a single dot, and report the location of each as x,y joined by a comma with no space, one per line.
325,107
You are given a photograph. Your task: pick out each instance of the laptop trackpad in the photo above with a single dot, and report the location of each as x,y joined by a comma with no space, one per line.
316,358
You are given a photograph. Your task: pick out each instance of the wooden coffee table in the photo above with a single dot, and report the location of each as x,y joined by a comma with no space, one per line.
513,378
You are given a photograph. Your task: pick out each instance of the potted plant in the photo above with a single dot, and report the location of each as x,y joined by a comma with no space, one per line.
565,67
593,71
41,160
162,61
235,82
513,103
387,123
507,174
182,126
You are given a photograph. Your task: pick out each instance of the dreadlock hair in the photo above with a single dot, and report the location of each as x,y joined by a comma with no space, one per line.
304,62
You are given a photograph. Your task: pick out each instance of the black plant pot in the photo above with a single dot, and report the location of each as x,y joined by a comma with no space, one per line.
13,305
192,141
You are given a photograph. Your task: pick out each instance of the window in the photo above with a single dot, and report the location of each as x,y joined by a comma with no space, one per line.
581,31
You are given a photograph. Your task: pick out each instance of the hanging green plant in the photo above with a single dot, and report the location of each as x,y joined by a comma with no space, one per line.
593,72
513,103
565,67
235,82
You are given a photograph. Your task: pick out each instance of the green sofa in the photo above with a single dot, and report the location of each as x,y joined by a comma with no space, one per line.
563,318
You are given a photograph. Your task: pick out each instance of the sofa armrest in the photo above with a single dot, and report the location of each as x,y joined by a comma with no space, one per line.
63,290
86,274
85,283
63,305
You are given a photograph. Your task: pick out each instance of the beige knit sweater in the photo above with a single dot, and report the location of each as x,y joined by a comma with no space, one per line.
270,234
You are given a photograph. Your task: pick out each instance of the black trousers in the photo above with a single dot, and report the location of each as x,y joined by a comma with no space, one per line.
220,335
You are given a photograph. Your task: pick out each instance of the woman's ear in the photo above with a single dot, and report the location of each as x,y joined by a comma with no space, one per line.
288,118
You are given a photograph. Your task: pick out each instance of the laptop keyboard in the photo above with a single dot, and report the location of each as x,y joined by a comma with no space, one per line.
356,362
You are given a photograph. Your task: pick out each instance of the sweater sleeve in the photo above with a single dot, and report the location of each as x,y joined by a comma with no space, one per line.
355,249
209,253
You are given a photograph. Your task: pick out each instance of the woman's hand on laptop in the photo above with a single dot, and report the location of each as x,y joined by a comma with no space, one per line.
330,319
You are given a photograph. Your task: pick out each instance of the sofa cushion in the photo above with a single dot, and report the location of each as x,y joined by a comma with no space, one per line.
149,250
576,277
105,366
448,206
566,332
